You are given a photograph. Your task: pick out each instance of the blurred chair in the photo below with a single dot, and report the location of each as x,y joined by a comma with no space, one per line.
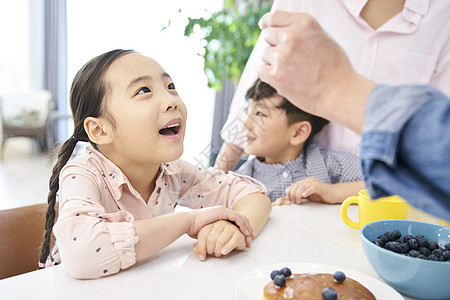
21,233
27,114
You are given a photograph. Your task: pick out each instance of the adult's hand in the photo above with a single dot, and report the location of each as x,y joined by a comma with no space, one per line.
311,70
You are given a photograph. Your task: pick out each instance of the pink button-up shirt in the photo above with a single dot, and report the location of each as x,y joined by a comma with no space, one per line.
98,205
411,48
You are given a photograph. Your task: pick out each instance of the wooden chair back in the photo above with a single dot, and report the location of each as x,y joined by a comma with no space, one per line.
21,233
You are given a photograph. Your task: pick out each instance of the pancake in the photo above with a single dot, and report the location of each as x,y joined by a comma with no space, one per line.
310,287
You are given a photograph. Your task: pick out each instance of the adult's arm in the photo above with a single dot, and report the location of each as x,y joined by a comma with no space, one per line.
311,70
405,146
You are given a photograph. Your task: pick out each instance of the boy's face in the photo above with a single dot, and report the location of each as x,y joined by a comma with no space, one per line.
267,129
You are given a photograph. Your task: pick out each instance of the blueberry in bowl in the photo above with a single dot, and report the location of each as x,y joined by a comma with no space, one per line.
415,262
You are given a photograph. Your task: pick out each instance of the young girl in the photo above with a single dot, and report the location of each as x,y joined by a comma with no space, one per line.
116,199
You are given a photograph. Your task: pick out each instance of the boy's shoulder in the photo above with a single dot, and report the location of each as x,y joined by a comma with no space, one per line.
341,166
253,165
333,161
325,152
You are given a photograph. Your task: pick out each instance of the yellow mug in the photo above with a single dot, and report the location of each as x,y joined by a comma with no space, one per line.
392,207
416,214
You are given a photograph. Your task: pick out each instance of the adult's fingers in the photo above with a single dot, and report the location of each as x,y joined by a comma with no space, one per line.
274,35
264,73
269,55
277,18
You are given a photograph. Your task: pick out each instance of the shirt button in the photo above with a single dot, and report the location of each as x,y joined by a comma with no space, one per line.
371,41
285,174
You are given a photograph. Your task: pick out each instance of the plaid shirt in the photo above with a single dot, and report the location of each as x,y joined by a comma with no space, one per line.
315,161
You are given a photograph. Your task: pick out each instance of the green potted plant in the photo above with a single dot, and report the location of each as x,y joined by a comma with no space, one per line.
229,38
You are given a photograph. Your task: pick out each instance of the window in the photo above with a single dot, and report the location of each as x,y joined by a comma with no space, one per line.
21,55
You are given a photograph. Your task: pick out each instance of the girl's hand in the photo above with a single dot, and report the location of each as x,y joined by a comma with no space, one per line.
219,238
203,217
311,189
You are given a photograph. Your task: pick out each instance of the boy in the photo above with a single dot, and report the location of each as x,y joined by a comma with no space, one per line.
292,167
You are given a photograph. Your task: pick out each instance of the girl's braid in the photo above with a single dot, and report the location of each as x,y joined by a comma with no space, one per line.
64,153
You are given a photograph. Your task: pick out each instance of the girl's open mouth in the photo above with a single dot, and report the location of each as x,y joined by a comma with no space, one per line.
172,129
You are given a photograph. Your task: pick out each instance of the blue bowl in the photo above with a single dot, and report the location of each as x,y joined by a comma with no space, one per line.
413,277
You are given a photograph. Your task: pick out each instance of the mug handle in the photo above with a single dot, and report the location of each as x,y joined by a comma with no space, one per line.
344,216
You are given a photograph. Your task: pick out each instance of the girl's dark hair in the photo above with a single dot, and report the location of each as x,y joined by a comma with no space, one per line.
86,100
261,90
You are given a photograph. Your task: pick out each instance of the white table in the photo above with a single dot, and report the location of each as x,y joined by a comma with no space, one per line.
297,233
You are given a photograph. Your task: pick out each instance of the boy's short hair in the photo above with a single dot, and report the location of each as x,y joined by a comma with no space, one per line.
261,90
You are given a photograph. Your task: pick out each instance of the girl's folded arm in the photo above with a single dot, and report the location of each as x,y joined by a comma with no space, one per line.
91,242
240,193
256,207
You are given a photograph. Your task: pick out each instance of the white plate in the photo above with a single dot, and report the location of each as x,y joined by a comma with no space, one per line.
251,285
